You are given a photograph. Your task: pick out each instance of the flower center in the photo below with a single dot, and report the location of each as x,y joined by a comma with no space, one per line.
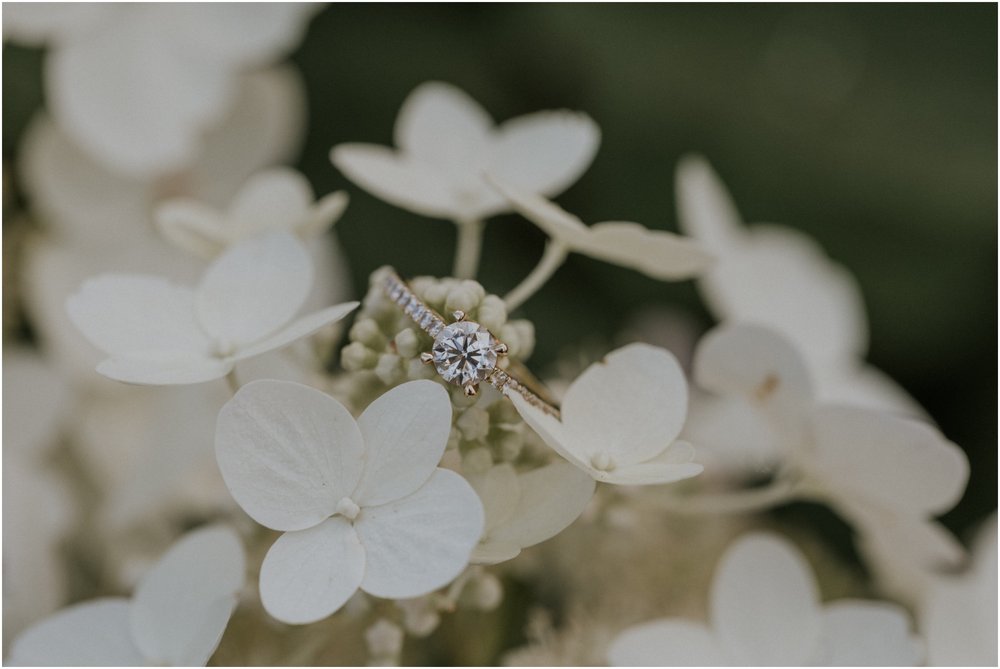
602,462
348,508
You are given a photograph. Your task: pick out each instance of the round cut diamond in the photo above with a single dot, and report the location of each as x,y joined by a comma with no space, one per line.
464,353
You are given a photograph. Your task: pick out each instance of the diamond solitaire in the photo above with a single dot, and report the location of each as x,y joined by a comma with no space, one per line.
463,353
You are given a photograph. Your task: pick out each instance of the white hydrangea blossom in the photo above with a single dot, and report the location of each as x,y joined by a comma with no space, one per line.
158,333
101,57
275,199
780,278
175,617
446,143
888,475
765,609
362,504
621,418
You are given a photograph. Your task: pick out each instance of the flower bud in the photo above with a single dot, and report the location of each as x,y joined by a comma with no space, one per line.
356,356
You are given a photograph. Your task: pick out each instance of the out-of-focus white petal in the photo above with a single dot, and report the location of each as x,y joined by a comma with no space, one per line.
765,604
132,315
182,605
254,288
32,23
91,634
730,433
190,225
309,574
705,209
288,453
661,255
550,499
959,614
666,642
275,198
405,433
892,462
162,369
125,95
494,552
237,33
544,152
860,633
35,398
862,384
782,279
419,543
400,181
666,467
297,329
441,125
761,367
629,406
499,491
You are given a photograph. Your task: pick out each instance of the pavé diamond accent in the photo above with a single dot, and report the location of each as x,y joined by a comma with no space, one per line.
464,353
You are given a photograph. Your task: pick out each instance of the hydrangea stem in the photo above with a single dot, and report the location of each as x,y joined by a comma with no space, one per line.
468,248
232,382
740,501
553,257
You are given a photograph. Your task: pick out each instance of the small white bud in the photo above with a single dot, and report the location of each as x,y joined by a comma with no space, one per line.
485,592
477,461
367,331
406,343
356,356
389,368
474,423
492,313
385,641
463,298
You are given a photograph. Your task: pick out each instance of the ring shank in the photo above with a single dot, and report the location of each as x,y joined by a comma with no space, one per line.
432,323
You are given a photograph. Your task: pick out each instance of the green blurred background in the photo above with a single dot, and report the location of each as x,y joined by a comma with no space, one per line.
871,127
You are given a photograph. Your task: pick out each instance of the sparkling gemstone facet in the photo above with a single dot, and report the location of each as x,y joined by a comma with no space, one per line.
464,353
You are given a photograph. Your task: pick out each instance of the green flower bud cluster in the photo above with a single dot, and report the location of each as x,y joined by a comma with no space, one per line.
384,350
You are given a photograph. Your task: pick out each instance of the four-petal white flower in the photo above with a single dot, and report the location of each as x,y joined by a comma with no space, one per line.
765,610
526,509
620,419
888,475
158,333
175,617
278,199
779,277
362,504
137,85
446,142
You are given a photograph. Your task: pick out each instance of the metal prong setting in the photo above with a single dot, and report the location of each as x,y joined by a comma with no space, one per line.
471,390
458,315
501,348
427,357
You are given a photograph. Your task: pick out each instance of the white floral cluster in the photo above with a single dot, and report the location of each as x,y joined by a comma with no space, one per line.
175,254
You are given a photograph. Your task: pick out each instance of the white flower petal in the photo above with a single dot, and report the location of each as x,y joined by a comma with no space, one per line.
397,179
860,633
275,199
549,428
125,95
629,406
92,634
550,499
494,552
327,211
500,492
705,210
308,575
182,605
656,253
892,462
419,543
861,384
765,604
666,642
731,433
132,315
555,221
297,329
544,152
191,225
243,34
32,23
405,433
35,400
441,125
164,369
288,453
254,288
664,468
782,279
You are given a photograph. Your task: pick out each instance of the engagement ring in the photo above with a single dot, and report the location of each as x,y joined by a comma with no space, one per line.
464,352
